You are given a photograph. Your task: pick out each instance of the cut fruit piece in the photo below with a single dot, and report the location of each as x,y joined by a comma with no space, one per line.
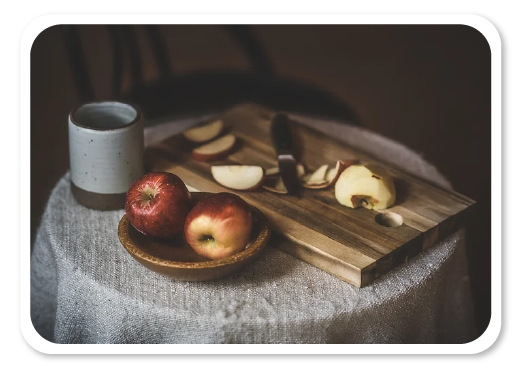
204,133
330,177
318,176
307,180
317,179
239,177
333,174
215,149
368,186
272,171
301,170
277,187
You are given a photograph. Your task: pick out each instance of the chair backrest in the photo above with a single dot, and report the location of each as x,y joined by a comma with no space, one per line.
260,84
123,40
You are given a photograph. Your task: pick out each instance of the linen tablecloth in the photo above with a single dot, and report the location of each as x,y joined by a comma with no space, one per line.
85,288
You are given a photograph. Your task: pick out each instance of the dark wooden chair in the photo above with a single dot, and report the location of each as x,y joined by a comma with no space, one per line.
204,92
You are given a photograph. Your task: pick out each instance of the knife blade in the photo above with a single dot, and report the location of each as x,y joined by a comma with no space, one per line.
283,141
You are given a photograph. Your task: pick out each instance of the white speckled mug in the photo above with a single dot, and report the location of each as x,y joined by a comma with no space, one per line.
106,147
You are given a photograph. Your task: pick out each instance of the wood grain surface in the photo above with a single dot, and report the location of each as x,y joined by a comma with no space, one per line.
314,227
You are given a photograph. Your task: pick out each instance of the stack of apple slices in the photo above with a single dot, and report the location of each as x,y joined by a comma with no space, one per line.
214,147
324,176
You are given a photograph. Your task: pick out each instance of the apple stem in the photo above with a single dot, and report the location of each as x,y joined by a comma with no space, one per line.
149,194
206,238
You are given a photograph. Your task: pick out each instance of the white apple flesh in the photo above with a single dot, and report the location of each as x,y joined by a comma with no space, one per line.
319,176
368,186
215,149
301,171
272,171
204,133
239,177
276,185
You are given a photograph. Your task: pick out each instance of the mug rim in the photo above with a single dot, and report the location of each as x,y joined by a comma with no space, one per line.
139,115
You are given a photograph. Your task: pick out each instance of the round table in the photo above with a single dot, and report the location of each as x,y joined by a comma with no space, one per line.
85,288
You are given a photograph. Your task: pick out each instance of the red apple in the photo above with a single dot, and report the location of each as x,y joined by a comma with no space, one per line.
157,204
219,226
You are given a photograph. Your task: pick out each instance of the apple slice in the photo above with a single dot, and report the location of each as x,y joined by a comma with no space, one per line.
272,171
316,179
278,187
239,177
204,133
333,174
301,170
330,177
318,176
215,149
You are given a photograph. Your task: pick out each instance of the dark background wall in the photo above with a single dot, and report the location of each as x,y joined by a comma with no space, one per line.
428,87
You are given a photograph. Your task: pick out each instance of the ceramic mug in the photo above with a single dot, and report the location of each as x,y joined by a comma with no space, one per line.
106,144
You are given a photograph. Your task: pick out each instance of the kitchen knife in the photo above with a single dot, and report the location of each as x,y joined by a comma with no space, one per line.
282,140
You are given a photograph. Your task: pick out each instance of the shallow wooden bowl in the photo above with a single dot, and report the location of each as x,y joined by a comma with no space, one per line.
175,258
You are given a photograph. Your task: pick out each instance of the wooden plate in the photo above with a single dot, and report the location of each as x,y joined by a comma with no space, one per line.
175,258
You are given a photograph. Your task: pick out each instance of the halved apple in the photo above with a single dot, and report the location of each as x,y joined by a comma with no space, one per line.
239,177
276,185
368,186
205,132
215,149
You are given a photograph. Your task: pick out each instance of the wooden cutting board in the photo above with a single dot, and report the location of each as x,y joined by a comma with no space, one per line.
315,228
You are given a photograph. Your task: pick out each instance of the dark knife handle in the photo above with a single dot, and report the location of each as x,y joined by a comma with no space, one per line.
281,134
